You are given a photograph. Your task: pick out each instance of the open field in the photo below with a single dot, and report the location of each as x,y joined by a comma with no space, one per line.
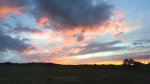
56,74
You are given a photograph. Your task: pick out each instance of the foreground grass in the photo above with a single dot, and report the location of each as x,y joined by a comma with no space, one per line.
55,74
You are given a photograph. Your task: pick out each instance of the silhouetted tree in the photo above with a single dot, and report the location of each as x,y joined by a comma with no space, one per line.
128,62
131,62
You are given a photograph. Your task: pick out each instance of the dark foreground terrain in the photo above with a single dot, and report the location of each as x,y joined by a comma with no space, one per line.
57,74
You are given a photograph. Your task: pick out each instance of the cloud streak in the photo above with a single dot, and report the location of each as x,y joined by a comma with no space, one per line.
95,47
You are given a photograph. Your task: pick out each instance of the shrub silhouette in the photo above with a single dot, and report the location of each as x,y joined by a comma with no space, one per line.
138,64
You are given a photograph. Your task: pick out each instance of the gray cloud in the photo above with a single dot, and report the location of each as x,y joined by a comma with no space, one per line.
13,3
67,13
134,43
73,13
4,27
27,29
79,37
9,43
98,47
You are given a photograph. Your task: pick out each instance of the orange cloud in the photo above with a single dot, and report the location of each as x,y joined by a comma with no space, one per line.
28,49
55,50
42,21
119,14
139,54
116,52
62,60
6,9
35,48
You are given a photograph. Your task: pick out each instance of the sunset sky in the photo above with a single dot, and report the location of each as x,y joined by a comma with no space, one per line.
74,31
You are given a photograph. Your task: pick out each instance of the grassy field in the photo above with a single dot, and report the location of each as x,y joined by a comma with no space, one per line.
56,74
